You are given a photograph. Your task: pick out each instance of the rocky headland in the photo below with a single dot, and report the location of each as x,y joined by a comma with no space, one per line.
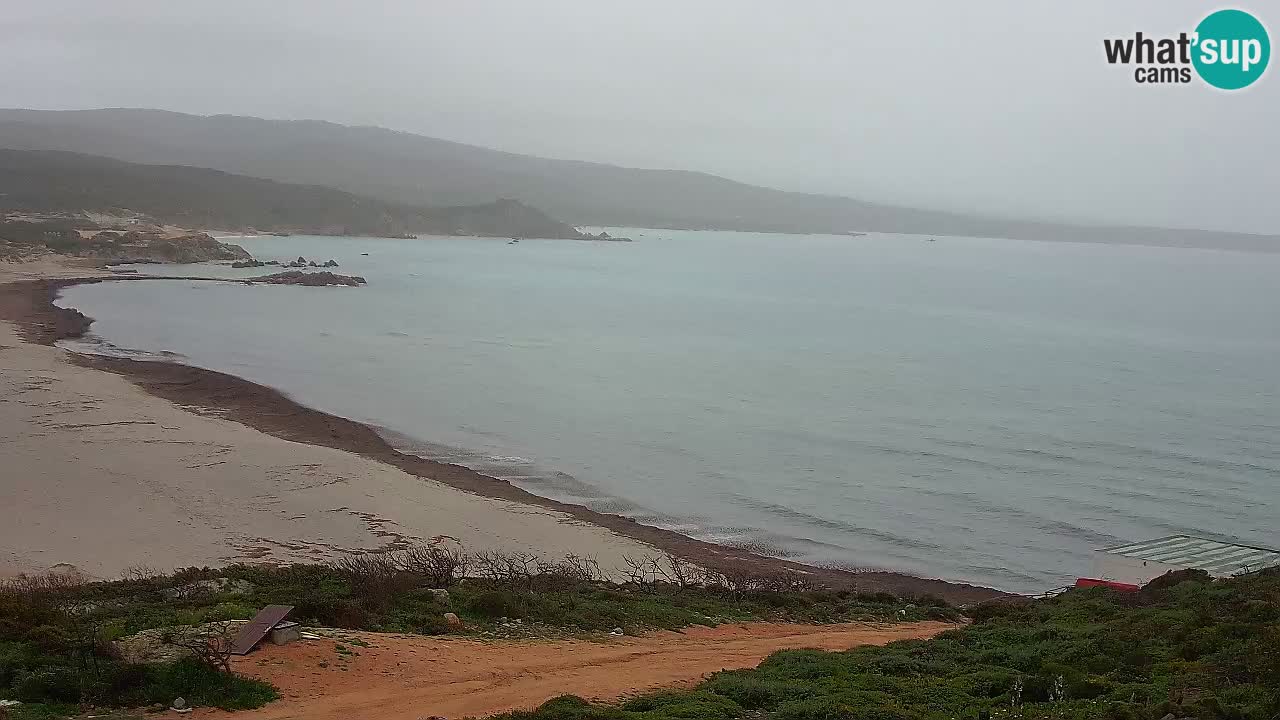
139,247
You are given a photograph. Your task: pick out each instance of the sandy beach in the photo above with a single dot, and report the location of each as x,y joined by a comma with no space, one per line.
103,476
115,463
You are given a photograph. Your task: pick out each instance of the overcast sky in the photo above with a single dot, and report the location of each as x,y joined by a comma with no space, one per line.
1004,108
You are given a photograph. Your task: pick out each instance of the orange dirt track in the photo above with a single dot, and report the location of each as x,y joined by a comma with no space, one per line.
412,677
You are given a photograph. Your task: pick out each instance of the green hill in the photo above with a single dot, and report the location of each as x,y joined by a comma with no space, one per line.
51,181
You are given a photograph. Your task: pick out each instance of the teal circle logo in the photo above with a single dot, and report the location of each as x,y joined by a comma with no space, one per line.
1231,49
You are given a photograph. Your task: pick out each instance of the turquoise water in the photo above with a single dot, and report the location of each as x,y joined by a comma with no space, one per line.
981,410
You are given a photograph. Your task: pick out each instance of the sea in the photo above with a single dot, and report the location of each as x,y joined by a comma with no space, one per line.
982,410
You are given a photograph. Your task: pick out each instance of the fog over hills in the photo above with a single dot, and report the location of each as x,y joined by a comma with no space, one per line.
55,181
403,168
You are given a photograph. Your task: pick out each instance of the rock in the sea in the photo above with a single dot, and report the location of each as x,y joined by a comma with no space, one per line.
331,263
453,621
247,263
313,279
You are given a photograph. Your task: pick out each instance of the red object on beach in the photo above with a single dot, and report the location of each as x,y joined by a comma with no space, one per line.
1117,586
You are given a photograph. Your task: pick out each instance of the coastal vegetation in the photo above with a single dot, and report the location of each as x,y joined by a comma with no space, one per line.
65,642
1183,647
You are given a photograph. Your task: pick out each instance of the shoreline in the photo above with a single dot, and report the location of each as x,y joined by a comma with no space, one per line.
30,305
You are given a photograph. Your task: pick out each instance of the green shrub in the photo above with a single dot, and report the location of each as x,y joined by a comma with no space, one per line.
50,684
571,707
985,683
498,603
204,686
49,638
693,705
833,709
753,693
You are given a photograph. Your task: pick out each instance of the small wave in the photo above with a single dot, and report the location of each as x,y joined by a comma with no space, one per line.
1014,577
94,345
828,524
1165,455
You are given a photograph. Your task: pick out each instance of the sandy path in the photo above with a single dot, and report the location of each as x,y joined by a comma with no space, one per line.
415,677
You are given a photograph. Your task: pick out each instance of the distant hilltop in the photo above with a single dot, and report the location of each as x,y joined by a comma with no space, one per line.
43,181
406,169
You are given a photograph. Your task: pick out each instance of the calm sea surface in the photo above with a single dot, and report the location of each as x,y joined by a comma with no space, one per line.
981,410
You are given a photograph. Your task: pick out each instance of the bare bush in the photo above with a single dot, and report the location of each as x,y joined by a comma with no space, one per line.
569,570
781,582
42,596
639,569
438,565
488,564
371,565
140,573
376,578
680,572
742,580
210,644
654,572
514,569
27,585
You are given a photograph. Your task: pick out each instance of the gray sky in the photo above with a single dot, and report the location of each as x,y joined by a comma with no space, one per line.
1003,108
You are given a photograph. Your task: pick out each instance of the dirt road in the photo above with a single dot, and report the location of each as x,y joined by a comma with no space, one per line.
411,677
